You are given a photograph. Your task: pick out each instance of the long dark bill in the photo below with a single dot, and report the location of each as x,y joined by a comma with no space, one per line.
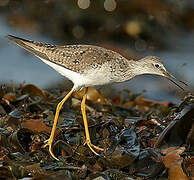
174,80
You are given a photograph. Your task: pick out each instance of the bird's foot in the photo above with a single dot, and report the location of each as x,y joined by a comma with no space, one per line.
49,143
92,147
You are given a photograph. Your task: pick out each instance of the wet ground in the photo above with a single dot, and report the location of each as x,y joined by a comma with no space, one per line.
138,136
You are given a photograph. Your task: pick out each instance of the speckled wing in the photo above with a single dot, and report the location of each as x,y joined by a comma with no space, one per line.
77,58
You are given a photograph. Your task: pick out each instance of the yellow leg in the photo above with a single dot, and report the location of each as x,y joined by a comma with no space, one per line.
88,141
50,140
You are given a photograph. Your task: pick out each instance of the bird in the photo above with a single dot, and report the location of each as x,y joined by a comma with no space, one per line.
89,65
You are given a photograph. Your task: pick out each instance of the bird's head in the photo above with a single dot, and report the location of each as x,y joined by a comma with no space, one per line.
153,65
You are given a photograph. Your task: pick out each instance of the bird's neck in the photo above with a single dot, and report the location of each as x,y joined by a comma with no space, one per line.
130,71
136,68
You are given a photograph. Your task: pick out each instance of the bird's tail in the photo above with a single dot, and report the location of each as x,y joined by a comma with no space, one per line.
34,47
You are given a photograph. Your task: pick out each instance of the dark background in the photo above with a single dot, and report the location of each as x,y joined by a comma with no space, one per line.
135,28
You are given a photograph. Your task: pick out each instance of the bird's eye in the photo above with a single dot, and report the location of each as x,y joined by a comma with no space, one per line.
157,65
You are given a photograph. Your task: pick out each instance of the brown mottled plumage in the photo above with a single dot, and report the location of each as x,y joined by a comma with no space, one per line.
88,65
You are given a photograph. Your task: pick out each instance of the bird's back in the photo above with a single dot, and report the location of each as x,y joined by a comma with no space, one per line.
77,58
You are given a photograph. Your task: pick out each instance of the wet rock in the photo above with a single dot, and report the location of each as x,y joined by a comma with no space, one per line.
126,151
147,164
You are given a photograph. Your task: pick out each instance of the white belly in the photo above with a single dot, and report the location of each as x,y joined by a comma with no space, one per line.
90,78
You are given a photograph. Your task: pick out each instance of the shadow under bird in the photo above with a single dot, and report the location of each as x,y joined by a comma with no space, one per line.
87,65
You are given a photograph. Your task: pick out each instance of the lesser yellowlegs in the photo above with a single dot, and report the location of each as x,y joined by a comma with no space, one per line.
87,65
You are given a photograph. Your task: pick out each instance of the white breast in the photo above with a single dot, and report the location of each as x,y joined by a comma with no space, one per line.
94,77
